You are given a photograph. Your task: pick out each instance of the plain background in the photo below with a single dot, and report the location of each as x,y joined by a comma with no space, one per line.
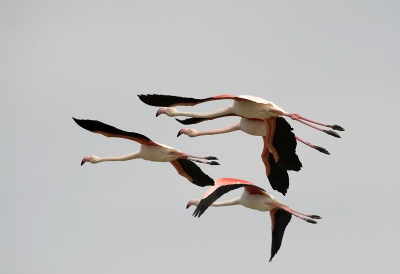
335,62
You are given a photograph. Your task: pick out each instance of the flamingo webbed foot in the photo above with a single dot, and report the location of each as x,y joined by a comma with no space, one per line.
213,163
315,217
332,133
211,158
321,149
310,221
337,127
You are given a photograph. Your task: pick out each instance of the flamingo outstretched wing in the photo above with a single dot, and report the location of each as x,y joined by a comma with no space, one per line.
110,131
161,100
284,142
222,186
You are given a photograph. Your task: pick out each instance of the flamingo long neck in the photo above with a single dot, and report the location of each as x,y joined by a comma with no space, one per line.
219,131
211,114
227,203
127,157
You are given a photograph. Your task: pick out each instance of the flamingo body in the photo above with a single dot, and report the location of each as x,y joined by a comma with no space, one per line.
252,127
160,153
256,201
256,108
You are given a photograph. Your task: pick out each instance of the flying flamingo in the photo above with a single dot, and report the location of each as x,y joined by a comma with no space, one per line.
151,151
253,197
246,106
254,127
277,176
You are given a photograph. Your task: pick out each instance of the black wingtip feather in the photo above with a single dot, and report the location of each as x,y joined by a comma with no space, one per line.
97,126
161,100
285,144
282,219
278,177
198,176
191,121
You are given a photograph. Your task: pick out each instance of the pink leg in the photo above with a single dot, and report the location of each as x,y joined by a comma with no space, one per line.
330,132
310,216
296,213
299,118
320,149
335,127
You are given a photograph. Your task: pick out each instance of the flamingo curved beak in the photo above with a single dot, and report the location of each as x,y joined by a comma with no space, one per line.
84,160
161,111
179,133
190,203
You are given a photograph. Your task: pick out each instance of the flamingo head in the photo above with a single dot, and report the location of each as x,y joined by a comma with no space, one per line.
92,159
169,111
192,202
187,131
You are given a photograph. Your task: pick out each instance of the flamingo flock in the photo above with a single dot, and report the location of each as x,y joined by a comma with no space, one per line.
258,117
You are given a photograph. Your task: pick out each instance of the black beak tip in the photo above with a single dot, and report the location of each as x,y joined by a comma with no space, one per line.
82,163
179,134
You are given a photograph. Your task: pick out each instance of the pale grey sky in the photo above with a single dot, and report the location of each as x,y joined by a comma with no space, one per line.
335,62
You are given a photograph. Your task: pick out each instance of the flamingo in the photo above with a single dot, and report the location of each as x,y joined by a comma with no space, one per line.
255,127
246,106
151,151
253,197
277,175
